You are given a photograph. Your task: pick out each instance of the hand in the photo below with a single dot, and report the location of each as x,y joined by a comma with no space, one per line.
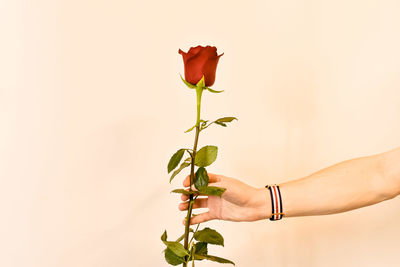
240,202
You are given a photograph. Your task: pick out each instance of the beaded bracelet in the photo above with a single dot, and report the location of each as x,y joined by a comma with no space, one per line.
276,202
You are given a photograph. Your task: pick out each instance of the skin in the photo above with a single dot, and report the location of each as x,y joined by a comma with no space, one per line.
341,187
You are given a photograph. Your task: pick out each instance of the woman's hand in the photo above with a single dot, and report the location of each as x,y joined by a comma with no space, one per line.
240,202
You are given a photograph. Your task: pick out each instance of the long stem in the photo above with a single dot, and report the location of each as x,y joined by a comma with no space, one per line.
199,91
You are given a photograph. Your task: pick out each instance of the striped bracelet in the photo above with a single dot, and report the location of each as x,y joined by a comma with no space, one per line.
276,202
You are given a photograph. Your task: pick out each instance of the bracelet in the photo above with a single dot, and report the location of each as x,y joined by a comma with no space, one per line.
276,202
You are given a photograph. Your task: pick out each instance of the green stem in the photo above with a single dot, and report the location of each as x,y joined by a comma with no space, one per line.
192,257
199,91
180,238
194,231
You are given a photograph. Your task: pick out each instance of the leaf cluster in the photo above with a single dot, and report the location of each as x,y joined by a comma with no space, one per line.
203,158
176,254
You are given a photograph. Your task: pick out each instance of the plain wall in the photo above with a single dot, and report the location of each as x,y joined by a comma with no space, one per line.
92,107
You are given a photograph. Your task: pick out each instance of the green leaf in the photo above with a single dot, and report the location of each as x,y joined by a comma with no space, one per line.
176,248
192,86
172,258
212,190
226,119
209,235
220,123
201,179
175,159
164,236
183,191
188,130
201,83
205,156
212,258
201,248
184,164
213,91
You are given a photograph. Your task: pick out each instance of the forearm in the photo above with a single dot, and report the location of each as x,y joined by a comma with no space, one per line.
345,186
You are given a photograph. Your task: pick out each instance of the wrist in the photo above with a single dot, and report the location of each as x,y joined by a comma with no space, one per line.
261,204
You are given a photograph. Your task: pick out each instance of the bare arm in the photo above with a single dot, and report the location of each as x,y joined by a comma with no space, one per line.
344,186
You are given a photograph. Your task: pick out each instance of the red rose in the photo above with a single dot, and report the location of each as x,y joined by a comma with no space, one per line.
200,61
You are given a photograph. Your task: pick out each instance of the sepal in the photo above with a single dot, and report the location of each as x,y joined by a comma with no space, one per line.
213,91
191,86
201,83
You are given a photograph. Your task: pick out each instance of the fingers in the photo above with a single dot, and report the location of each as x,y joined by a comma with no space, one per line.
212,179
184,197
202,217
198,203
186,182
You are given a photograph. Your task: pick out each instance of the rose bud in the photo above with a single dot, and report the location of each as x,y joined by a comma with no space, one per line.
200,61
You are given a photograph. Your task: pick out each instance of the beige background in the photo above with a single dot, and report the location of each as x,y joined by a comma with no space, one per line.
92,108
